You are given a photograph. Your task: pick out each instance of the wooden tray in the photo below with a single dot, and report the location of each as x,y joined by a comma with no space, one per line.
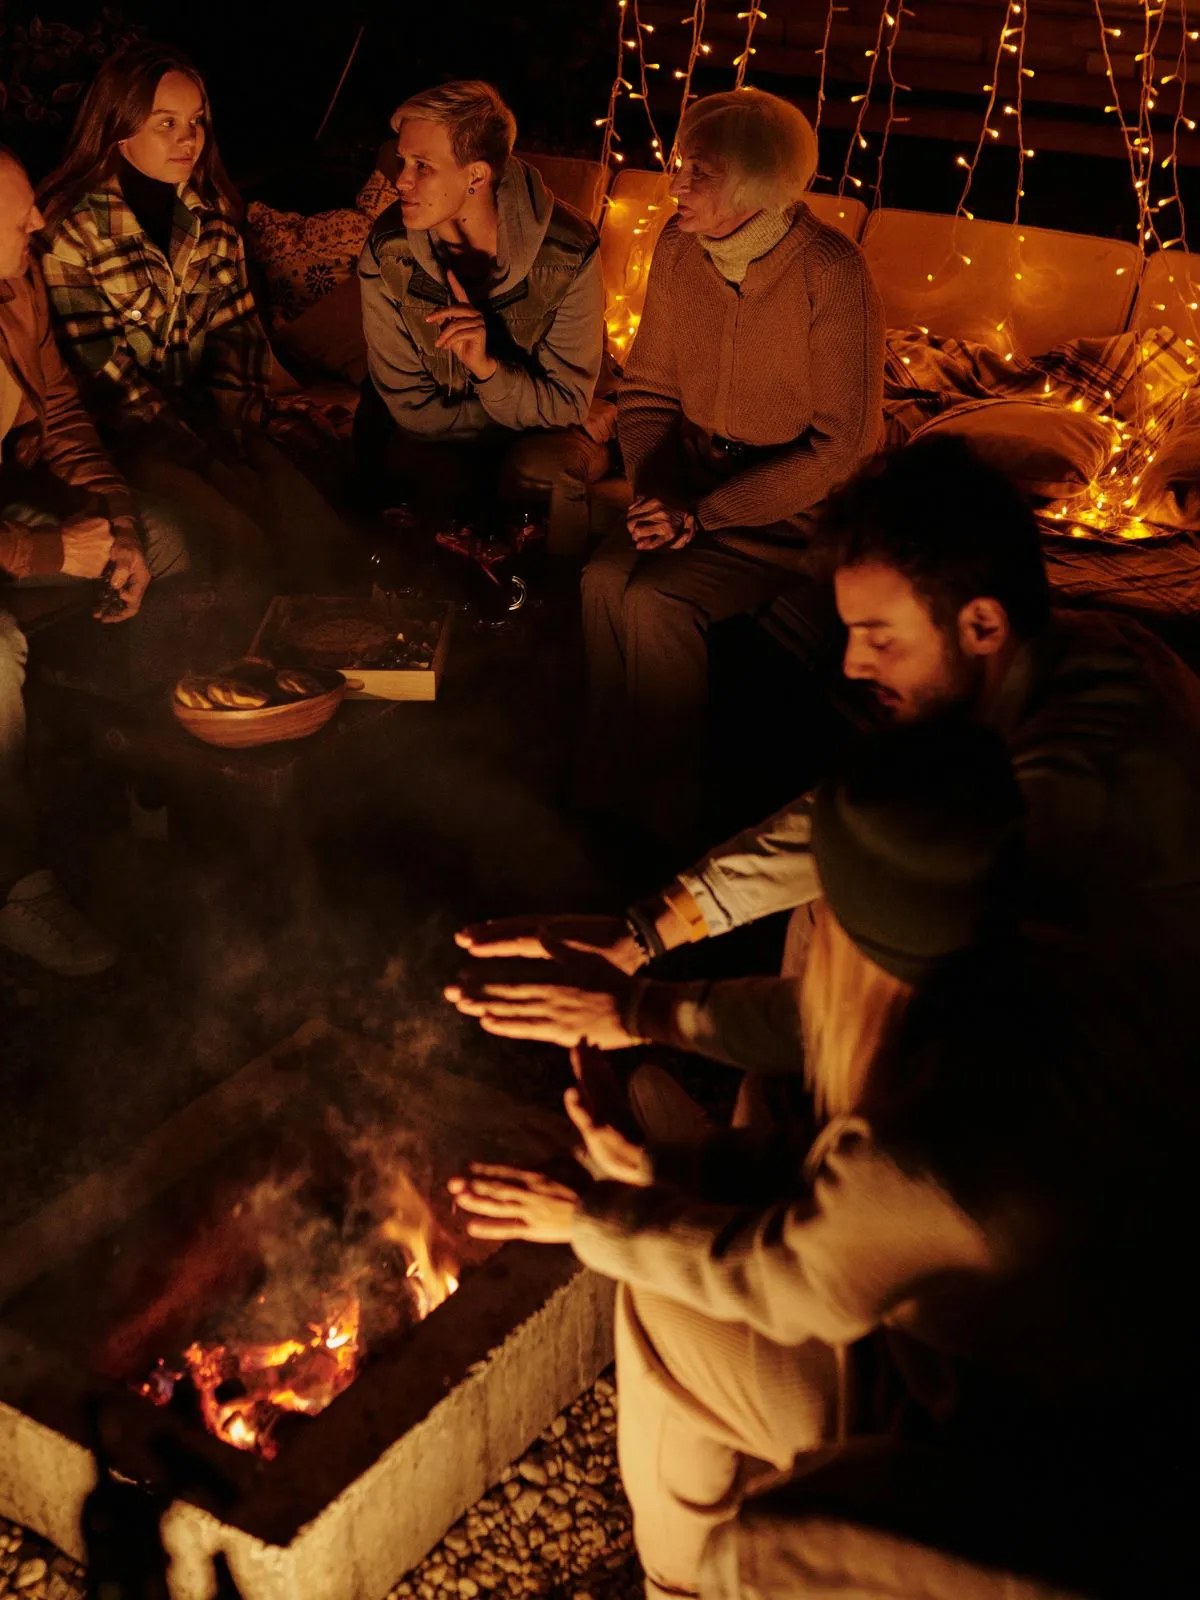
362,683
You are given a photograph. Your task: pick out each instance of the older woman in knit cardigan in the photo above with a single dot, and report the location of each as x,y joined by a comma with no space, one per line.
754,387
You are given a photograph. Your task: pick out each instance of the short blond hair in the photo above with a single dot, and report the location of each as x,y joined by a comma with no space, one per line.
482,128
766,144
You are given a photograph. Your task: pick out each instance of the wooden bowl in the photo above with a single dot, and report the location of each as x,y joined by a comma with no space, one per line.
241,730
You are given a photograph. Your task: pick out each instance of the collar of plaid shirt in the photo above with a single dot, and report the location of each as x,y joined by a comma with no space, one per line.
144,323
116,220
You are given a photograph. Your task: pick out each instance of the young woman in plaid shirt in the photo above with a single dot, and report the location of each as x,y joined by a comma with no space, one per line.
146,273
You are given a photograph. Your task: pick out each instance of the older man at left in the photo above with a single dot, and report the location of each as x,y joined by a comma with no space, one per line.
66,515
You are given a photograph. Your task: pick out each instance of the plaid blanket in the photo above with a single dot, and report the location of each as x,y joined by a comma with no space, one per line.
140,331
925,376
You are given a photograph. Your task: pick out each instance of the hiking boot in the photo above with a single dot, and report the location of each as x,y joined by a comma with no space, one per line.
39,922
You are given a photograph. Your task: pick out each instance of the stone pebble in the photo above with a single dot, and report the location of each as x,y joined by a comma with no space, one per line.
555,1524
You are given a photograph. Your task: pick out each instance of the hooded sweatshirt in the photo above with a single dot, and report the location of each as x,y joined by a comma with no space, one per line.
544,309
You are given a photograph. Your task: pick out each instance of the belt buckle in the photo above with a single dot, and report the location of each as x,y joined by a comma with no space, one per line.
729,449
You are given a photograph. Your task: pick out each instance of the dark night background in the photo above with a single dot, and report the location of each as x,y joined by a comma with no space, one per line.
272,66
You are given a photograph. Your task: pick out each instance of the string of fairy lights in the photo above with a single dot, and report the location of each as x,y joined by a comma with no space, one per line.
1155,176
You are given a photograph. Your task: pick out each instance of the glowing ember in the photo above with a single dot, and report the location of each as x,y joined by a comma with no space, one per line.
245,1386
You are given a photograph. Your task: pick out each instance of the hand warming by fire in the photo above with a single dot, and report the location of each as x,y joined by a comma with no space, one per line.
512,1203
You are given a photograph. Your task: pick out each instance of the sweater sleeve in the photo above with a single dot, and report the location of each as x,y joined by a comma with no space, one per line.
648,400
93,332
29,552
760,871
749,1023
862,1239
417,403
553,388
846,366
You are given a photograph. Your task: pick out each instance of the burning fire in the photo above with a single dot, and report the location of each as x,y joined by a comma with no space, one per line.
244,1387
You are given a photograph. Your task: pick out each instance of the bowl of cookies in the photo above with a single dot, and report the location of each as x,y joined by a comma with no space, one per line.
255,702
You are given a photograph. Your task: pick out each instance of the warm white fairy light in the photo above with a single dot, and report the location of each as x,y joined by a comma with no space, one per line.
893,86
1110,504
751,18
863,100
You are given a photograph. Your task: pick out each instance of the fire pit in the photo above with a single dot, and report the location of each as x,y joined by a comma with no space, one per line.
263,1306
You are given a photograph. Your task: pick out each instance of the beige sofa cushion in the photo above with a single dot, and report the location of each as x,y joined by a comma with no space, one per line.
1070,286
840,212
580,183
1169,295
1051,452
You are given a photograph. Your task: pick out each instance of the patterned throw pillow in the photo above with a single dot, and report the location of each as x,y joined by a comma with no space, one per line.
376,195
303,258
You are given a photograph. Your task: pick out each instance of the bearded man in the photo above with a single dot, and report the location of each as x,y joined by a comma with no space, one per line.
940,583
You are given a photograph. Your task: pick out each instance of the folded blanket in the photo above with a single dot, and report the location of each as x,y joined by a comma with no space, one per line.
925,375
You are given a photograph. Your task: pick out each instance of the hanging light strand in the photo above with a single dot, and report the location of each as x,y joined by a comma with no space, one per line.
991,89
823,52
863,99
902,11
696,49
609,122
638,43
751,18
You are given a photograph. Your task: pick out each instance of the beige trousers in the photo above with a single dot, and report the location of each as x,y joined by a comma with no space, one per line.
708,1410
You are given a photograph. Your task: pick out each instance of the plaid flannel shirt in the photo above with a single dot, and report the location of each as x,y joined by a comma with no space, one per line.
141,332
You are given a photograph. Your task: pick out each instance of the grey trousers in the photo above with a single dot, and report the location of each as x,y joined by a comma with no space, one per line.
646,620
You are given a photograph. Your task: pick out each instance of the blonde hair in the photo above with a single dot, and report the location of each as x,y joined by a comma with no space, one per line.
850,1009
765,143
482,128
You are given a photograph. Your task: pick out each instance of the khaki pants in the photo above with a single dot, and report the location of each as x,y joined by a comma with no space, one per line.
707,1411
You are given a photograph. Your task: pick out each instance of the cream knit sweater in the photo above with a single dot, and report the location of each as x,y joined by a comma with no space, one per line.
791,357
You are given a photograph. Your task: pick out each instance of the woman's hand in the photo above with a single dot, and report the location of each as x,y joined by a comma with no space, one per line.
513,1204
533,937
600,423
608,1153
586,1011
464,332
654,525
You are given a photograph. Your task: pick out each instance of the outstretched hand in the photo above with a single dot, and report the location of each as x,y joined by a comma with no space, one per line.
463,331
607,1153
510,1203
527,938
581,1000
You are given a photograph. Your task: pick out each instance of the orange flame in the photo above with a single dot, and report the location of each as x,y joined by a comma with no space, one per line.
244,1388
432,1263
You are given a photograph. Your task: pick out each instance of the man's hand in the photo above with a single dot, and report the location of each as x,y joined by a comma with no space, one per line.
580,1002
513,1204
654,525
129,578
600,423
87,546
464,332
608,1153
530,938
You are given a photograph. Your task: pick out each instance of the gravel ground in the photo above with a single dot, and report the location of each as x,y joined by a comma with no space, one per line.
556,1525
